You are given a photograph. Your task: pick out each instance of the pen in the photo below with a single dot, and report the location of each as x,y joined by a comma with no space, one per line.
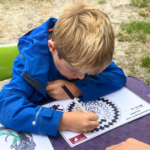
73,98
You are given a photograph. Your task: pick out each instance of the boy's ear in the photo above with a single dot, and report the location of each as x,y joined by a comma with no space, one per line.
51,46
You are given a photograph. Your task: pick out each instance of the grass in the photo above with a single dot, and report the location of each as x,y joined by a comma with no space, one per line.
143,14
146,62
4,0
128,53
101,2
6,7
132,71
135,31
140,3
147,81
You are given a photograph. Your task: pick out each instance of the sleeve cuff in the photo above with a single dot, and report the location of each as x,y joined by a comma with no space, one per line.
49,121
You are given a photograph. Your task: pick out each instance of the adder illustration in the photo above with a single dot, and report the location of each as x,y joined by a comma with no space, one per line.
22,140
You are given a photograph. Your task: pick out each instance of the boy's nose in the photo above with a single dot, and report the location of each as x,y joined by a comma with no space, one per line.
80,76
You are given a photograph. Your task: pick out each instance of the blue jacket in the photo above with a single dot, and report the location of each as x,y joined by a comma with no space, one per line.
32,69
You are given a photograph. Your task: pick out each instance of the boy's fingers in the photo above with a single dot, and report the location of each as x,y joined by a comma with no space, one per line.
112,147
52,82
93,117
94,124
48,83
49,88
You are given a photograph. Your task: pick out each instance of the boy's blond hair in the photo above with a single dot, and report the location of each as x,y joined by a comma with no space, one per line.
83,36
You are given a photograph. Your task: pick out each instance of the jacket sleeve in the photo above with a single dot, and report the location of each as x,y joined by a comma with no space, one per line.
108,81
18,113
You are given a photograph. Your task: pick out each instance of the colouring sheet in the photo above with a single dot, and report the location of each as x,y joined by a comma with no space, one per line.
113,111
17,140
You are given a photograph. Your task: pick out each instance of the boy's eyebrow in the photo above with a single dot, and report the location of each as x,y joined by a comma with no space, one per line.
87,73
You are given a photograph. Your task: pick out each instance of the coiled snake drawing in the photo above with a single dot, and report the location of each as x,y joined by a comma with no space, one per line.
22,140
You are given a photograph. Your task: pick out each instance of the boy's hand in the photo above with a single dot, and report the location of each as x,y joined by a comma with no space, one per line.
78,121
54,90
130,144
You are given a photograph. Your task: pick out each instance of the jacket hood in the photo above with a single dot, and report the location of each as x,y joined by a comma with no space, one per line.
37,38
35,56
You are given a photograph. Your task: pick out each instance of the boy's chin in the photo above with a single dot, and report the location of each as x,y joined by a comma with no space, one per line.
69,78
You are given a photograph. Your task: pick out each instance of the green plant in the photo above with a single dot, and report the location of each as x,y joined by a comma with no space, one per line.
147,81
132,71
128,52
136,26
101,2
146,61
6,7
140,3
4,0
134,31
143,14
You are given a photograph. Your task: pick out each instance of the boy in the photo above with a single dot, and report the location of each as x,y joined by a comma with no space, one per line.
78,54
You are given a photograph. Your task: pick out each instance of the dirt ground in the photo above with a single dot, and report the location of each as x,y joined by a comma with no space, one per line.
20,16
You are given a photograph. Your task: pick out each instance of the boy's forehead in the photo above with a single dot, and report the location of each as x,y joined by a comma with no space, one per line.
84,71
80,69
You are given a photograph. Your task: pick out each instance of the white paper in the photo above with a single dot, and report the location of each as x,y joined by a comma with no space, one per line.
11,140
113,110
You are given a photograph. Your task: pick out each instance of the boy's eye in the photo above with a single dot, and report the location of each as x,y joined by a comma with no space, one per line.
91,74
